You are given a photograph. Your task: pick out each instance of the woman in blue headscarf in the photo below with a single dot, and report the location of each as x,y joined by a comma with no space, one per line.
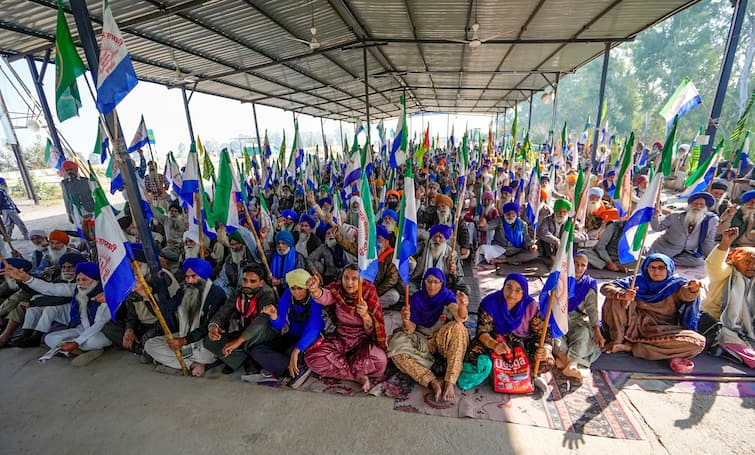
657,318
507,318
433,323
581,345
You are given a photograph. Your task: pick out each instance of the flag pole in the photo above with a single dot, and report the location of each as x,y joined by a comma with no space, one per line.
158,313
642,246
541,343
200,227
261,250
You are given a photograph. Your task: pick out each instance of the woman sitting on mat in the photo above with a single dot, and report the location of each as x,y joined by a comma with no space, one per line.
356,350
507,318
581,345
433,323
657,318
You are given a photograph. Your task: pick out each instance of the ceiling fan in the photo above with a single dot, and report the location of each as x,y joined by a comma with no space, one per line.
313,43
475,40
180,78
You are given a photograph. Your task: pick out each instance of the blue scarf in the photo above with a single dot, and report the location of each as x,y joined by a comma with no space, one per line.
281,265
581,288
656,291
515,235
426,310
504,320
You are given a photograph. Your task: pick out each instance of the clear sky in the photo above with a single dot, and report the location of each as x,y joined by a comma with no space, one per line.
216,120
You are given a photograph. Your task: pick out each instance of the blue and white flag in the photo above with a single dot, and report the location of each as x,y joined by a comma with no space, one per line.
353,167
400,141
684,99
533,201
172,173
406,244
190,177
141,137
636,226
115,75
561,280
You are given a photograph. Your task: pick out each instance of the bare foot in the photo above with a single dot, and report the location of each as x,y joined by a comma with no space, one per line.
197,370
618,347
365,382
437,387
448,392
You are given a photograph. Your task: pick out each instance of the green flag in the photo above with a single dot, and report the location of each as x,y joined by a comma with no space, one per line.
513,129
667,154
626,162
68,66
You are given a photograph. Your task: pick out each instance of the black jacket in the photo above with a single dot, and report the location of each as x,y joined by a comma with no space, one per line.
214,300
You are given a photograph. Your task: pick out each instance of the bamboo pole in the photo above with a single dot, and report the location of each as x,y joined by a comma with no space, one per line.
7,239
545,329
260,249
156,309
200,227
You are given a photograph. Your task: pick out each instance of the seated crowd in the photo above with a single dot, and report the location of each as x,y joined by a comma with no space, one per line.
282,296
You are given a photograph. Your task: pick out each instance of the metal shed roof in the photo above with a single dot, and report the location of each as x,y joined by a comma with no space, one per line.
242,49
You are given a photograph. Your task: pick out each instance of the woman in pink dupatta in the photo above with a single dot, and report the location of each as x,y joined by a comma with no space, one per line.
356,350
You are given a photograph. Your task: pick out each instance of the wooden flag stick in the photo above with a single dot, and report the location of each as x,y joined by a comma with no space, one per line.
548,313
200,226
156,309
260,249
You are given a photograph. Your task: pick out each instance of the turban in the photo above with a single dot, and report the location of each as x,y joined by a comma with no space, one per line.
393,193
611,174
390,214
734,256
642,178
379,182
545,177
508,207
201,267
381,231
289,214
71,258
571,179
298,278
748,196
507,189
596,192
312,212
59,236
89,269
37,232
285,237
137,251
707,197
325,200
658,144
236,236
324,187
684,147
561,204
441,229
444,200
299,192
69,165
719,185
191,235
20,263
487,195
307,219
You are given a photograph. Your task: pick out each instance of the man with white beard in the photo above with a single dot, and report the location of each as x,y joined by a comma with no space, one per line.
240,256
52,302
742,218
436,252
38,238
175,224
688,237
477,233
89,313
200,298
550,228
306,240
512,241
58,246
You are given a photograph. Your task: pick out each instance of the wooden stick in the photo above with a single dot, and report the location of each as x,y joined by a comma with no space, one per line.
260,249
545,329
158,314
644,237
7,239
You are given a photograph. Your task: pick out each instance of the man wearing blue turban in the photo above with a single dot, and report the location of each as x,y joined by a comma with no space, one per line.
200,298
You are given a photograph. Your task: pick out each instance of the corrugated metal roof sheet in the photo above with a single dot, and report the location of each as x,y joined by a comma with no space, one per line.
246,49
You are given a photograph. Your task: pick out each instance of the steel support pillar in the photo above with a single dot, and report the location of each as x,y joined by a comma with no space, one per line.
601,97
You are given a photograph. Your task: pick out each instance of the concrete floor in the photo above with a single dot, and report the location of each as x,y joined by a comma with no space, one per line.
118,406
